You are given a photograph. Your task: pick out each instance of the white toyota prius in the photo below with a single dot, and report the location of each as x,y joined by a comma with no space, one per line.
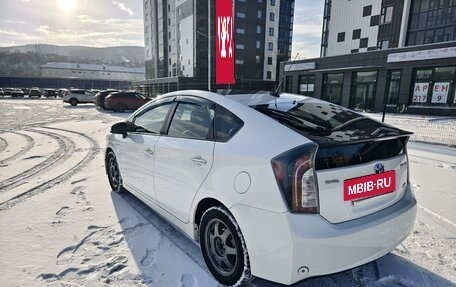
281,187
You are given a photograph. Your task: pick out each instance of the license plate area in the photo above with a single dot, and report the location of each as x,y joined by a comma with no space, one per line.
369,185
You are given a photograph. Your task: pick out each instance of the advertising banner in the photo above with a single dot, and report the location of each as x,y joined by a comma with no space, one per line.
440,92
224,42
420,92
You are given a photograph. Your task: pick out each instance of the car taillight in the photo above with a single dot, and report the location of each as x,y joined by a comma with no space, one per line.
295,174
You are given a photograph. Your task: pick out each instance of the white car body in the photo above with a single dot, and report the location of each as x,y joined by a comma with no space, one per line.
178,177
77,96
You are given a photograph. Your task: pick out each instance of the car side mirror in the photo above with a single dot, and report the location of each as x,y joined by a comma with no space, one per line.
120,129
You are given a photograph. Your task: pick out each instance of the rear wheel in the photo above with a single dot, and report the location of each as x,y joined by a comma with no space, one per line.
223,247
73,102
120,108
115,180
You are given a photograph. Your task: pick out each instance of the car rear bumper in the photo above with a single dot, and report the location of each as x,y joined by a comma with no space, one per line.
287,248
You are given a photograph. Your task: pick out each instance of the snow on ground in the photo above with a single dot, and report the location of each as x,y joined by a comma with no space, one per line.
60,224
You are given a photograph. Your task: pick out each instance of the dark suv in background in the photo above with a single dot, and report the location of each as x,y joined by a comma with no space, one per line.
125,100
99,98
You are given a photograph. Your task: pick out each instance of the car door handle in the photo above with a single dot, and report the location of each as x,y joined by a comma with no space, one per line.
198,160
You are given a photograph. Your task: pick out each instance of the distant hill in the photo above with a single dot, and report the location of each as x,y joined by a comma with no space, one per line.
26,60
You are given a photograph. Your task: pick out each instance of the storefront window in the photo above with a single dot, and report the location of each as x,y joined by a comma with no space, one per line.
306,85
363,91
332,88
289,84
393,84
434,87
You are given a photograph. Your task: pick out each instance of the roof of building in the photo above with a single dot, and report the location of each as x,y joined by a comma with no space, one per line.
93,67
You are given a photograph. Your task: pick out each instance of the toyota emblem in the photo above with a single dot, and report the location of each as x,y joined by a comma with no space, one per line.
379,168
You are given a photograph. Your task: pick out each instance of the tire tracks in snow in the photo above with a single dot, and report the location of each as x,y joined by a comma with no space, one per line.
65,150
93,151
3,144
30,142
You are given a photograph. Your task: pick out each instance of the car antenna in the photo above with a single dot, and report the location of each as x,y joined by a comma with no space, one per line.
276,92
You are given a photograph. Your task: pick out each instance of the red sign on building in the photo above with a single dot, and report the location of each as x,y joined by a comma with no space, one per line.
224,42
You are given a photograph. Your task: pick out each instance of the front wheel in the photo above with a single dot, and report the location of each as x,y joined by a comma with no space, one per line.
73,102
223,247
115,180
120,108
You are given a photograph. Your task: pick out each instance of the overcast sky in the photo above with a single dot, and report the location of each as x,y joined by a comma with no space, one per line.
103,23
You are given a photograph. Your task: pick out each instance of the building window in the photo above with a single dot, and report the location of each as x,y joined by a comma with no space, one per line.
239,62
258,29
258,44
431,22
363,43
393,85
272,2
341,37
332,88
240,46
356,34
363,91
270,46
257,59
271,16
306,85
240,31
288,84
374,20
271,31
382,45
268,75
269,60
434,87
386,15
259,14
240,15
367,11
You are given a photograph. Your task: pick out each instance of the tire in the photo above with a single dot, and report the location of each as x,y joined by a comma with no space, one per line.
73,102
223,247
120,108
112,169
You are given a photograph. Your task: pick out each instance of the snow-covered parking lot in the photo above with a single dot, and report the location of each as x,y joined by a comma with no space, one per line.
60,224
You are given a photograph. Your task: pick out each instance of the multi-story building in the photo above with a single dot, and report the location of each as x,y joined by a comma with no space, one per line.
176,43
394,54
368,25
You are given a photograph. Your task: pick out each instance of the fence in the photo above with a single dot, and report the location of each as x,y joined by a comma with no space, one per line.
430,129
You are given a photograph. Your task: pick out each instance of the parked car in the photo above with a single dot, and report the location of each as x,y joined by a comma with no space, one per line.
282,187
17,93
49,93
25,90
77,96
125,100
34,92
1,92
99,98
7,91
60,92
